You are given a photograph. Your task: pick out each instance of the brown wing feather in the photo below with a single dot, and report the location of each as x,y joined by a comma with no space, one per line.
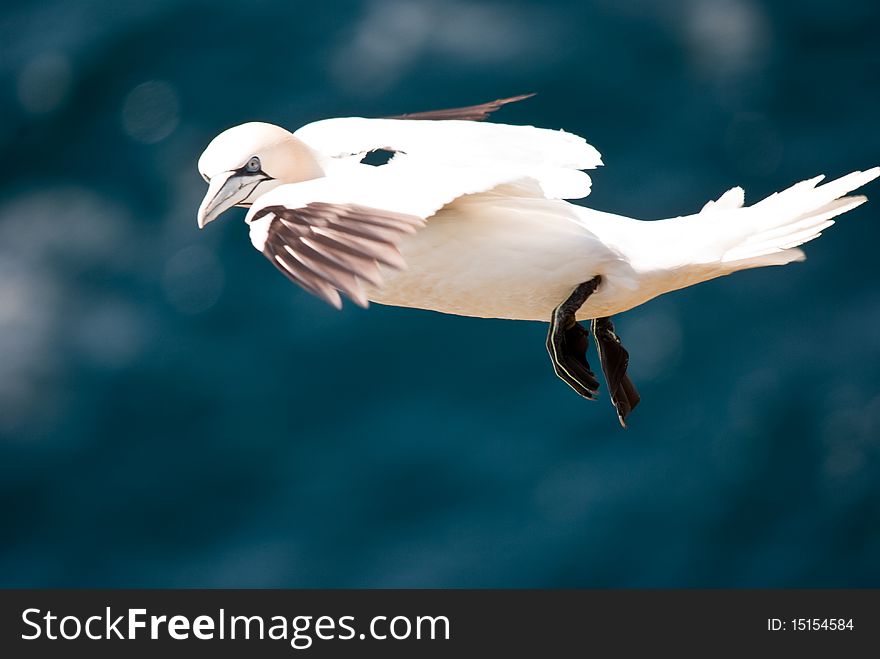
469,113
331,248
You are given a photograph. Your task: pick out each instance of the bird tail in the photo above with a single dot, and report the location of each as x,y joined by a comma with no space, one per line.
726,236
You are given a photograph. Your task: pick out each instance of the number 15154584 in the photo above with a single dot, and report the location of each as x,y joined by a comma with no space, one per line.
809,624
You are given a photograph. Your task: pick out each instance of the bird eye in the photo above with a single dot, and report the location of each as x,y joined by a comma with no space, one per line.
253,165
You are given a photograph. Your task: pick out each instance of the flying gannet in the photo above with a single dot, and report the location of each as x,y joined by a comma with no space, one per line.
470,218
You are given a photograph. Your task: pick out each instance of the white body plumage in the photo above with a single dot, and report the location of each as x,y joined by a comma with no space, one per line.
499,240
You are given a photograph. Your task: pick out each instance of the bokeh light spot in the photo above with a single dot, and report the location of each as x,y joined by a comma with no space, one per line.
151,112
44,82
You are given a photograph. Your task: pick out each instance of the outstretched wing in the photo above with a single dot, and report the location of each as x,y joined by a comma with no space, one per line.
478,112
327,248
333,235
554,158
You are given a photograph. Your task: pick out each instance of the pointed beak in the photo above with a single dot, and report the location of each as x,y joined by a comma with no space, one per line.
226,190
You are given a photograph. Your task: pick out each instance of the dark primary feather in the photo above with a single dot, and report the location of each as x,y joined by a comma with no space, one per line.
469,113
327,248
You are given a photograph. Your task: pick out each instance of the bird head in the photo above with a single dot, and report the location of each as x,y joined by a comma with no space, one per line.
246,161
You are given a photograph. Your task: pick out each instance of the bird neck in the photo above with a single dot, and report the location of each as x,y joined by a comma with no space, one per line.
304,162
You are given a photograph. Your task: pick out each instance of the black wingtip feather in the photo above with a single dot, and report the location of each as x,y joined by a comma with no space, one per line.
479,112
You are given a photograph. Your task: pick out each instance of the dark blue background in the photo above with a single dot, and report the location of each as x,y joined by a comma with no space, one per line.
175,413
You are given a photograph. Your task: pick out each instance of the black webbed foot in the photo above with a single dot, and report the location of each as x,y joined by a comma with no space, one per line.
614,359
567,343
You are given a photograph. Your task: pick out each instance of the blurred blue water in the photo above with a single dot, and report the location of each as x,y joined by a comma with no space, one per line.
174,413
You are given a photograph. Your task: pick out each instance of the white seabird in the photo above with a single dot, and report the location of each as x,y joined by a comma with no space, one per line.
470,218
